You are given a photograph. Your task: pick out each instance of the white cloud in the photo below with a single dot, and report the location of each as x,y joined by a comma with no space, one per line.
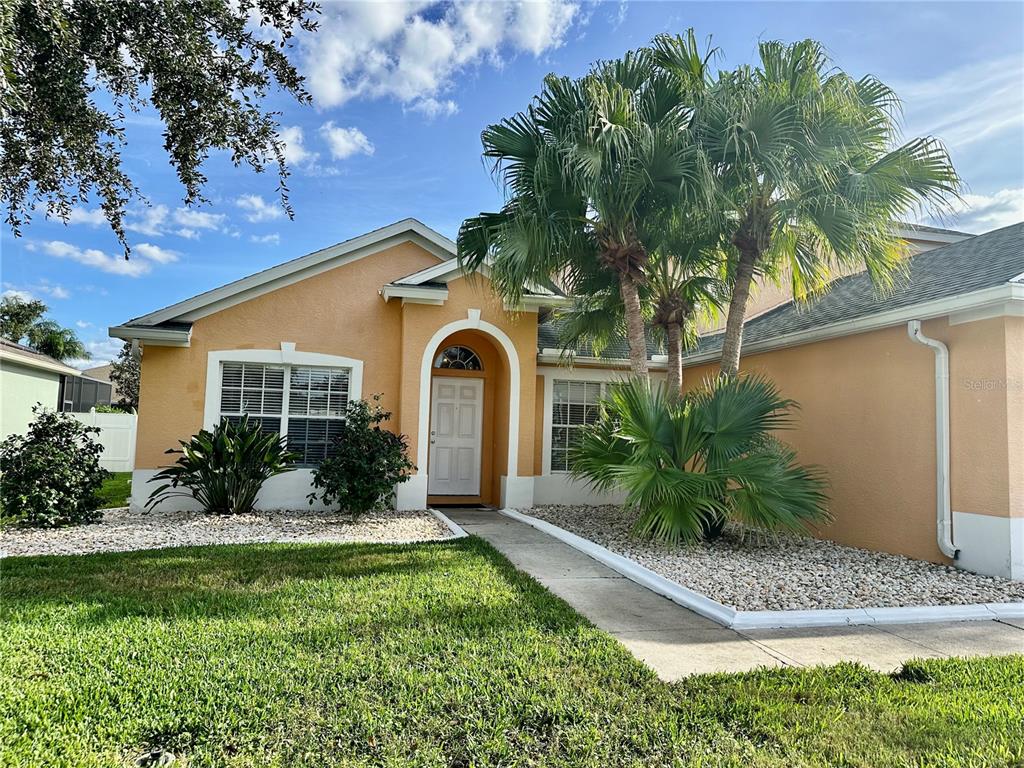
143,258
983,213
345,142
258,209
43,288
93,217
17,293
193,219
295,152
150,221
412,51
83,324
188,234
432,107
967,104
155,253
101,352
271,239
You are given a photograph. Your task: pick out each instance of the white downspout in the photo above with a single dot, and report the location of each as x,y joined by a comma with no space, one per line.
943,513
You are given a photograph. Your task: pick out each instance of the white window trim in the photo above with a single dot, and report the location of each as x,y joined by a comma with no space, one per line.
286,355
550,374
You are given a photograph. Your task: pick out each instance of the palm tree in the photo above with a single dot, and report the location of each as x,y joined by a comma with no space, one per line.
683,286
691,465
680,284
50,338
808,175
583,166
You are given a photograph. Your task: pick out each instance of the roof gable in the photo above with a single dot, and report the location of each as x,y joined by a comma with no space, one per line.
406,230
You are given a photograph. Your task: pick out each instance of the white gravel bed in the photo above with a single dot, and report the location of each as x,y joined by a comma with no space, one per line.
122,530
784,572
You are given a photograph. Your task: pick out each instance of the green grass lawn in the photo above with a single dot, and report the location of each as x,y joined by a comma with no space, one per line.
116,490
429,655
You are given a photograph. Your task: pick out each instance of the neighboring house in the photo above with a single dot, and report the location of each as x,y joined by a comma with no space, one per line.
28,378
102,373
489,409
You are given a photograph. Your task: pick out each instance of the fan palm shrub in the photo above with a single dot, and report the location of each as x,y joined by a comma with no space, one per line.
224,469
690,465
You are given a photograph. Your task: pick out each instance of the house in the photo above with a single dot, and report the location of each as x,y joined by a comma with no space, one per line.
28,378
102,373
489,408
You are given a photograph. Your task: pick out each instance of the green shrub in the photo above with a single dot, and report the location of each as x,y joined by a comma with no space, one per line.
224,469
50,476
104,408
690,465
366,464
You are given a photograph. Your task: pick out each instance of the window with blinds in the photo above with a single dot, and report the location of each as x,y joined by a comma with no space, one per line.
574,404
316,401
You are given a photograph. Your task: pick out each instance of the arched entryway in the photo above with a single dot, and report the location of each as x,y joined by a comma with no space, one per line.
468,435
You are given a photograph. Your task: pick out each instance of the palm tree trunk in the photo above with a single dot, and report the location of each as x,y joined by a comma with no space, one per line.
636,337
733,340
675,361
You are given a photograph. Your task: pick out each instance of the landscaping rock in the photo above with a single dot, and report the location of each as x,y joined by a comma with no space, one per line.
753,571
122,530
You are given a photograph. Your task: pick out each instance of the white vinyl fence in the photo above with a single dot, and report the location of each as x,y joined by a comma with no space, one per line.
117,434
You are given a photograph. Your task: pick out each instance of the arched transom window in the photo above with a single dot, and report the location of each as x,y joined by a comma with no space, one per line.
458,358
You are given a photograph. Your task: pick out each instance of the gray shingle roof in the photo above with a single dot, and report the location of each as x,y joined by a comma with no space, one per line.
617,349
980,262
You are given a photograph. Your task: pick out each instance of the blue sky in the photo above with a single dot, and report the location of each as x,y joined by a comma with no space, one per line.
402,90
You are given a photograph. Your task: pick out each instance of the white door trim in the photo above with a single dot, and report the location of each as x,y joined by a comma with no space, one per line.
472,487
426,365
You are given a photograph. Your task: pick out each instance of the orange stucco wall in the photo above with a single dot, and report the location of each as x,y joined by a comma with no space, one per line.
867,401
339,312
1013,384
867,415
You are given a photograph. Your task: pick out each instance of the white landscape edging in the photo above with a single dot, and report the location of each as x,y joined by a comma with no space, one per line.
730,617
458,532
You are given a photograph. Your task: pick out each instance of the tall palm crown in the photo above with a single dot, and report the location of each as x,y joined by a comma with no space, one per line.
583,168
809,172
50,338
681,285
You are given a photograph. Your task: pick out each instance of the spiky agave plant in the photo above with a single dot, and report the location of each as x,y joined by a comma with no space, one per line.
224,469
692,464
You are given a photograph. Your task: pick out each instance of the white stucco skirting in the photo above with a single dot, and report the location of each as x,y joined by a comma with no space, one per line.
990,545
730,617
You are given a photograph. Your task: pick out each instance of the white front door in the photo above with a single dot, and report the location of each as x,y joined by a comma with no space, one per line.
456,425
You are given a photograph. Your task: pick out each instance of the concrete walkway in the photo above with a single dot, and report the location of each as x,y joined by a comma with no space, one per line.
676,642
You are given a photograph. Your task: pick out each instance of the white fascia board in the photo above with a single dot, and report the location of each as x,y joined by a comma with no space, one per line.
430,274
453,270
947,306
31,361
936,237
555,357
158,337
304,267
533,303
414,294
